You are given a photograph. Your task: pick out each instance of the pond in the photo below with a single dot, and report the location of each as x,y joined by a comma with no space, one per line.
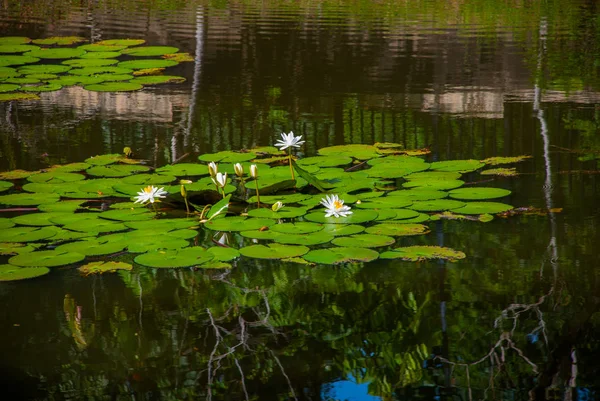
517,318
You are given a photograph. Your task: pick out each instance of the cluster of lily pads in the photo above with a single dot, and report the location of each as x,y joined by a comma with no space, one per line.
89,211
28,67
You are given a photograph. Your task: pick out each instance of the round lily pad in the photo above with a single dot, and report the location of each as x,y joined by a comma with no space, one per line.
325,161
128,215
55,177
283,213
50,87
273,251
150,51
364,241
388,202
183,169
113,77
7,60
95,47
6,223
100,70
336,255
64,206
28,199
483,208
434,175
21,48
147,63
46,258
89,62
59,40
8,87
477,193
342,229
22,80
5,185
300,227
158,79
420,252
357,217
227,157
122,42
238,223
436,205
15,248
96,226
37,219
186,257
462,166
433,184
149,179
361,152
14,40
104,267
162,225
223,254
25,234
13,273
397,230
116,170
55,53
304,239
113,87
44,69
43,77
5,97
417,194
101,56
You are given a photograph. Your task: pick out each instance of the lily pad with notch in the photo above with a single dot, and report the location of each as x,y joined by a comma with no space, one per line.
59,40
187,257
55,53
87,62
223,254
439,185
337,255
44,69
158,79
300,227
436,205
478,193
150,51
287,212
14,273
116,170
28,199
422,252
357,217
122,42
102,267
51,258
398,230
483,208
304,239
462,166
147,63
274,251
361,152
5,185
364,241
238,223
92,247
26,234
227,156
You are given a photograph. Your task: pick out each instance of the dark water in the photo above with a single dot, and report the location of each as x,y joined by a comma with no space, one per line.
467,79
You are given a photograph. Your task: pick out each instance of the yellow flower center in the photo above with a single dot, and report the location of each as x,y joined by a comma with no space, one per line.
148,189
337,204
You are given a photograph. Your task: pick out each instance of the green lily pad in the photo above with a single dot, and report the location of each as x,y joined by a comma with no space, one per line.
95,47
8,87
128,215
357,217
16,174
463,166
68,218
46,259
17,48
434,184
55,53
43,77
104,267
388,202
116,170
227,157
13,273
183,169
397,230
14,40
149,179
364,241
59,40
186,257
158,79
223,254
436,205
28,199
434,175
420,252
113,87
284,213
150,51
361,152
68,168
103,160
483,208
89,62
55,177
70,80
162,225
122,42
5,185
336,255
113,78
143,244
476,193
285,199
339,230
44,69
101,56
6,223
304,239
97,226
15,248
64,206
21,80
37,219
147,63
50,87
8,60
100,70
238,223
273,251
214,264
418,194
91,247
325,161
258,234
300,227
59,188
25,234
5,97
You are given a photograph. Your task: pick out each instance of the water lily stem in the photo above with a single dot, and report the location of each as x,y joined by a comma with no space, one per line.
291,167
187,206
223,191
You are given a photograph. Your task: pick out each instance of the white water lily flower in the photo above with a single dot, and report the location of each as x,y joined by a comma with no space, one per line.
239,169
212,169
254,171
220,180
335,206
277,206
289,141
150,194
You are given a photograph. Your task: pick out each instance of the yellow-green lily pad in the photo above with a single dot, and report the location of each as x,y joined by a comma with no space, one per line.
147,63
8,60
187,257
158,79
273,251
150,51
337,255
421,252
398,230
28,199
5,97
88,62
104,267
14,40
483,208
5,185
95,47
300,227
477,193
238,223
361,152
55,53
462,166
227,156
59,40
364,241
